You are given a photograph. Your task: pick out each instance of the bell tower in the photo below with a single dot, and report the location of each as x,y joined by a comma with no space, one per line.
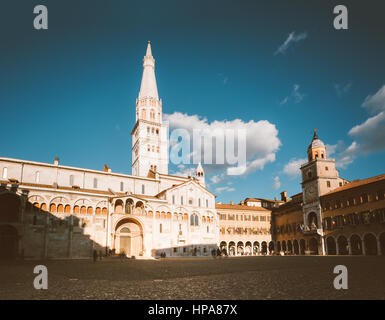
319,176
149,135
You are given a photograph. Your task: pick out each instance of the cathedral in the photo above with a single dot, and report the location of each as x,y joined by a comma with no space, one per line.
53,211
49,210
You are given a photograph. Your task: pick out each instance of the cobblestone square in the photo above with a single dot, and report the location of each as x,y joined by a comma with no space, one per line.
266,277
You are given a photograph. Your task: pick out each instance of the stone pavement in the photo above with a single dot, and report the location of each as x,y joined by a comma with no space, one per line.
270,277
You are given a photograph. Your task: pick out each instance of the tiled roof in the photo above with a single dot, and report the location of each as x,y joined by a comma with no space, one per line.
357,183
238,207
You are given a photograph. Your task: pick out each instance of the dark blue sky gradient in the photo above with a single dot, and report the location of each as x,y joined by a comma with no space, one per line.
70,90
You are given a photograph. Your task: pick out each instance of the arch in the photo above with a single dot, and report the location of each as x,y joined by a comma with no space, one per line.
356,244
67,208
295,246
256,247
60,208
9,207
312,220
248,248
284,248
370,243
289,247
128,237
302,246
343,246
98,211
90,210
52,207
83,210
223,245
331,246
232,248
240,248
9,242
76,209
118,208
264,247
381,239
104,211
139,208
279,246
271,246
129,205
313,246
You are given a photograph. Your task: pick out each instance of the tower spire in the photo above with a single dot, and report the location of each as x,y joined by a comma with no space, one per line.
148,87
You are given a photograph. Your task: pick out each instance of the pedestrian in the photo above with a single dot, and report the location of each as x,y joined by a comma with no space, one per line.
121,256
95,255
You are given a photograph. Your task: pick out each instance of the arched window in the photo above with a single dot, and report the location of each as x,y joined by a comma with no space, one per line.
60,208
52,207
143,114
194,220
5,173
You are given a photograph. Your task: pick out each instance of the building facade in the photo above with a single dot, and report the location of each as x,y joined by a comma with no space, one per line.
244,229
331,215
56,211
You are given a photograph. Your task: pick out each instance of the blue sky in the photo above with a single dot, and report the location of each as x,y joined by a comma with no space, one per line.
70,90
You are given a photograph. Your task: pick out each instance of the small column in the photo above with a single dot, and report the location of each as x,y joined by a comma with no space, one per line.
363,248
349,247
379,253
337,248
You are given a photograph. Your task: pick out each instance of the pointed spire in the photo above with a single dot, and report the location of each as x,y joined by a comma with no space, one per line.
315,134
148,52
148,88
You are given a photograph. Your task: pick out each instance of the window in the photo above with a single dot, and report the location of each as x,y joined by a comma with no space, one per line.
194,220
148,148
173,199
148,130
160,228
95,183
309,174
181,200
199,202
143,114
340,184
121,186
190,202
143,189
37,177
207,203
326,168
5,173
72,180
328,184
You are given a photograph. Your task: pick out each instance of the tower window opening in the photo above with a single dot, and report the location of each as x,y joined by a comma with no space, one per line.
5,173
328,184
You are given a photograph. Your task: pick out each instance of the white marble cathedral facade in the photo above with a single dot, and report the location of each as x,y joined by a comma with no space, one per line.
56,211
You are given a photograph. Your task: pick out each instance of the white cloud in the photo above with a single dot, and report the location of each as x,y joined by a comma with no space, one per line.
262,140
290,39
227,189
296,96
369,136
375,103
217,178
276,183
292,168
341,89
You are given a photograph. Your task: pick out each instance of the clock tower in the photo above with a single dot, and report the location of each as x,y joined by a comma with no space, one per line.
319,176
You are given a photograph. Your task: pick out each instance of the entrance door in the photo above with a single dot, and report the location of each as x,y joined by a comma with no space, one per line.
125,245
